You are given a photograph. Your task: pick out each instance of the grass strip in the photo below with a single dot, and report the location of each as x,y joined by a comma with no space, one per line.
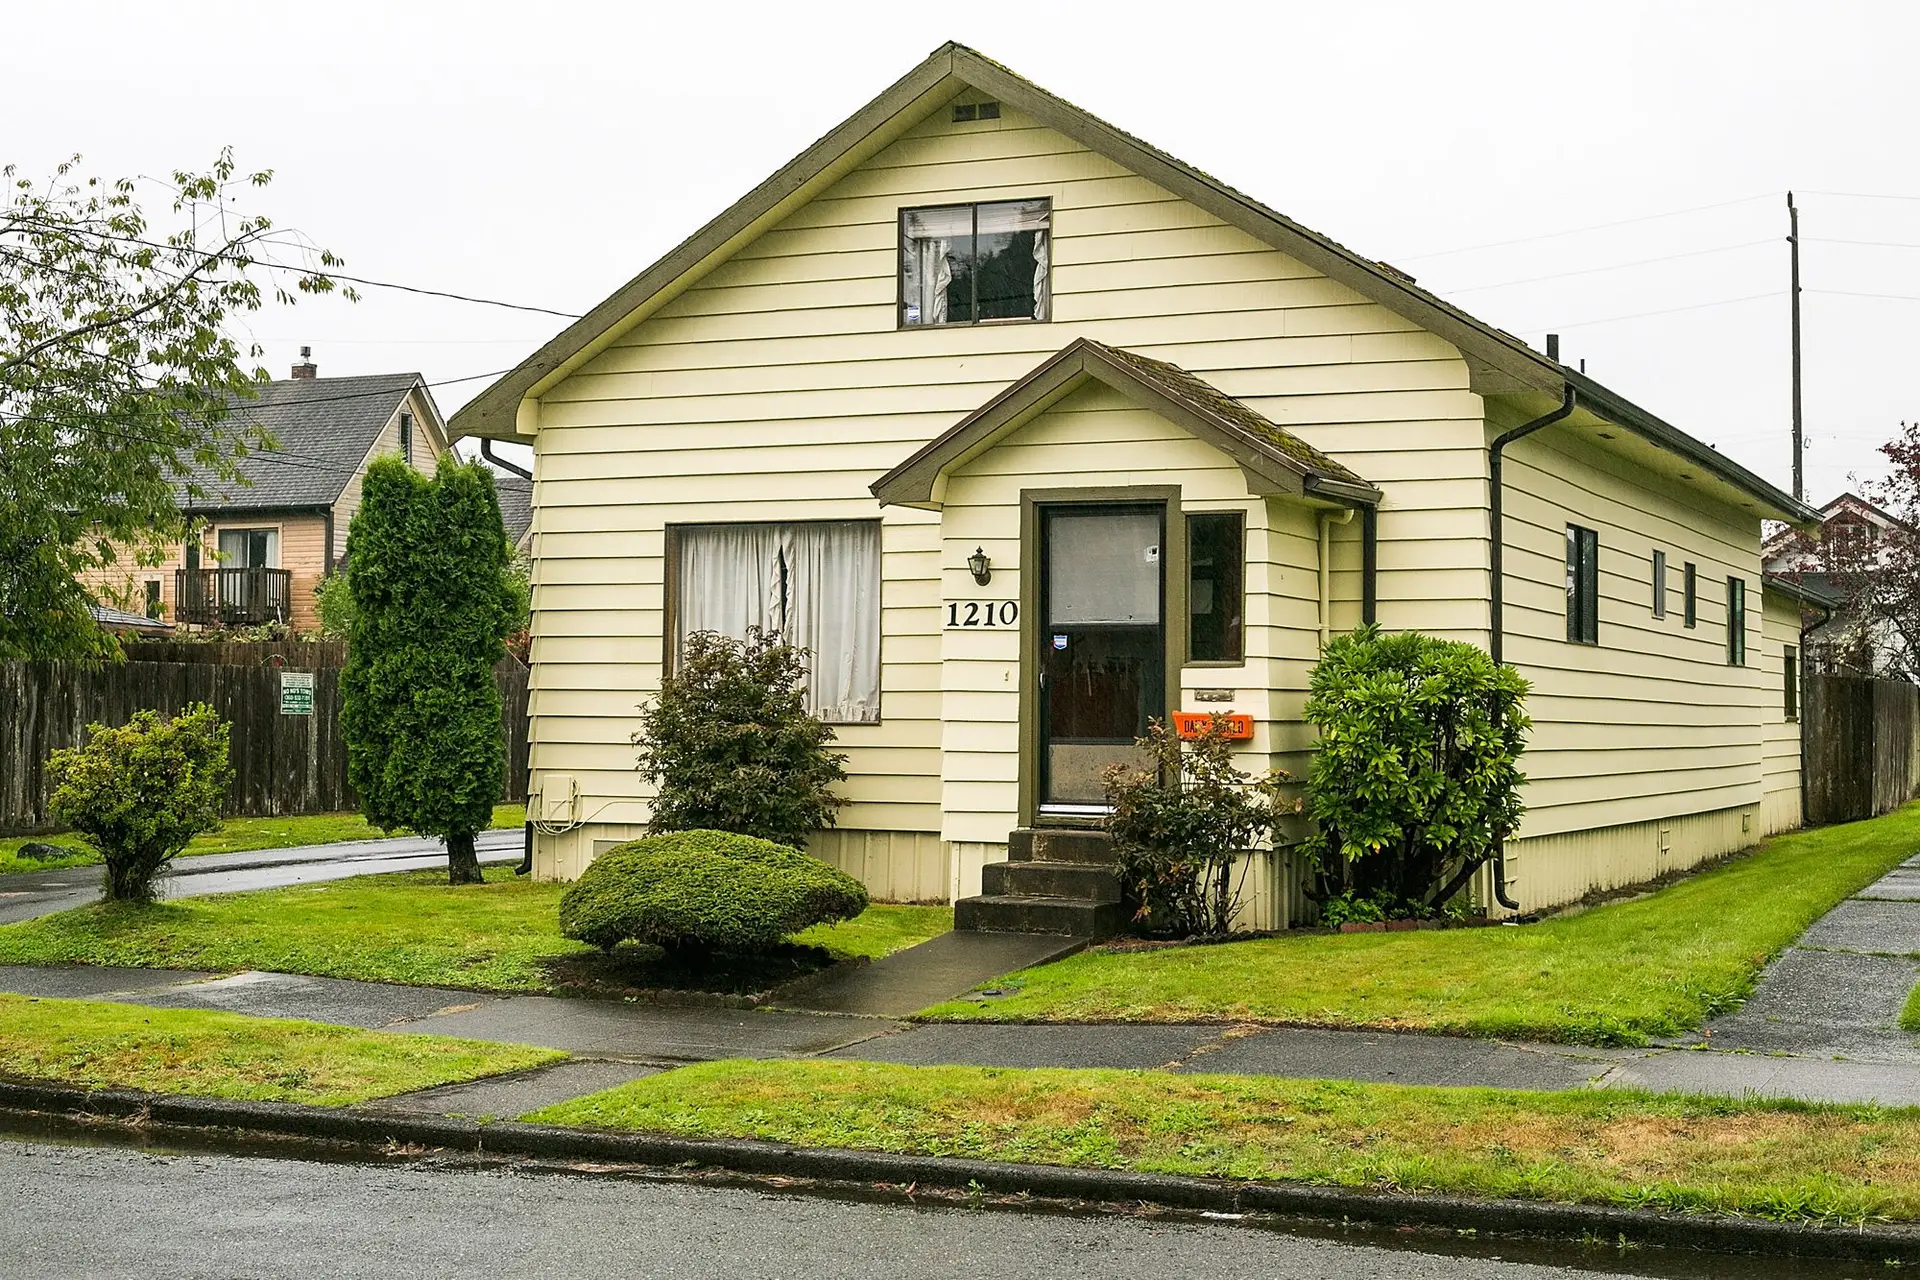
1618,974
412,928
237,835
1782,1161
229,1055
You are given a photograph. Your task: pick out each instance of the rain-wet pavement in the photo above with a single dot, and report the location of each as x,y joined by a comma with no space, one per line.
31,894
107,1211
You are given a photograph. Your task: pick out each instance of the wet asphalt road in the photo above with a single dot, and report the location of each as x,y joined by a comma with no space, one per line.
104,1212
28,895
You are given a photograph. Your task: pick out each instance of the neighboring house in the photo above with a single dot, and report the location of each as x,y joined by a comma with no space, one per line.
1853,543
123,623
1030,432
262,545
516,509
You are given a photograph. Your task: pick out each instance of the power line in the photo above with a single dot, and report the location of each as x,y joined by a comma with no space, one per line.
1574,231
1665,311
1848,293
1618,266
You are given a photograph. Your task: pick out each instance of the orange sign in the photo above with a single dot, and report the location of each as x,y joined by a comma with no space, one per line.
1190,724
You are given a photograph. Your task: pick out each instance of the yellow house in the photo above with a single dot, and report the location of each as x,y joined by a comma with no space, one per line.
1030,431
261,544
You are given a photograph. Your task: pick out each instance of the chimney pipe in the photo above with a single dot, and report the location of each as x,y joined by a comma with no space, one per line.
1553,346
306,369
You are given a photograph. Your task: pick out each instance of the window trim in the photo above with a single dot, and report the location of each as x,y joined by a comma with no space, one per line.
1659,584
1692,587
900,266
1790,681
1736,621
670,601
1188,518
1583,585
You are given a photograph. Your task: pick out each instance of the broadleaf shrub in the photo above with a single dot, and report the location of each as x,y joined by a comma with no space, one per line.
1179,822
140,792
730,746
705,891
1417,779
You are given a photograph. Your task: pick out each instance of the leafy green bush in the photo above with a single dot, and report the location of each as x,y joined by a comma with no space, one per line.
138,793
1416,781
729,744
703,891
1178,824
333,599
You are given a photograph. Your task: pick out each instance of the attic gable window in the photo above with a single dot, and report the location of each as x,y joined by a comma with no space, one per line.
975,263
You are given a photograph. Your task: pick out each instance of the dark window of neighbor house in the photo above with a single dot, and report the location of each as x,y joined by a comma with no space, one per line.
1790,681
1659,584
153,598
975,263
1692,586
1583,585
406,438
1216,587
815,583
1736,622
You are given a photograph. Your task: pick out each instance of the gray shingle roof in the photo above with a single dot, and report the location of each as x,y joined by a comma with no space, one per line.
108,616
516,505
323,427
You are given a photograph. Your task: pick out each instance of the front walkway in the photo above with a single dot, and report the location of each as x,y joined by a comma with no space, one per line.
1822,1026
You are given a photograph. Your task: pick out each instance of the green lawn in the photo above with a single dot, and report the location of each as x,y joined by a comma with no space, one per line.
412,928
230,1055
1794,1162
237,835
1618,974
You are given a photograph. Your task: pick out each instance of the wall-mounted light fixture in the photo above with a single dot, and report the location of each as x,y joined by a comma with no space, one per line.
980,567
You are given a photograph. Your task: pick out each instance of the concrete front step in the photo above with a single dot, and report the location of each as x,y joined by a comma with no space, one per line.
1017,913
1051,880
1061,844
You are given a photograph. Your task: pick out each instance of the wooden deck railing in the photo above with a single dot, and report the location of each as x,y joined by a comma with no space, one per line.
232,597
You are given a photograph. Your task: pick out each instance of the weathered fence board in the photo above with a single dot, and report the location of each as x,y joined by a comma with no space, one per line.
296,655
283,764
1858,746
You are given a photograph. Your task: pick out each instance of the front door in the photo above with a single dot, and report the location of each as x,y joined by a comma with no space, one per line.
1102,646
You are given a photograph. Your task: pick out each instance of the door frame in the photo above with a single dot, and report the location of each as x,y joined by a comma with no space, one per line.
1173,570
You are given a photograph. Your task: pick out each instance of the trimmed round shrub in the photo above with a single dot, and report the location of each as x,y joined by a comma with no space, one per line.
705,891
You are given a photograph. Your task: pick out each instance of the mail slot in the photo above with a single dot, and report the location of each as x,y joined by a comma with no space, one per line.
1190,724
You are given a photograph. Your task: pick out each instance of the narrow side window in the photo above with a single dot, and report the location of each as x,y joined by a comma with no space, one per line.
1736,622
1790,681
1692,585
1216,587
1583,585
1659,584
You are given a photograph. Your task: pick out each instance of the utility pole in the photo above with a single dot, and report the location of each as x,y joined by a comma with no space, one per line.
1799,441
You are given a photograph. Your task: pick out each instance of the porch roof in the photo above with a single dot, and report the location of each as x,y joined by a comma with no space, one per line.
1274,460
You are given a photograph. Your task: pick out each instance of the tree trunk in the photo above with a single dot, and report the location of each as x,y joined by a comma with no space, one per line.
463,865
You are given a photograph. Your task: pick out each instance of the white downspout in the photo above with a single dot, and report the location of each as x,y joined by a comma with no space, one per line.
1328,519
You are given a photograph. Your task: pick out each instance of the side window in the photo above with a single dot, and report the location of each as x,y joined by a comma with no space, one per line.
1216,587
1692,585
1659,584
406,438
1790,681
153,598
975,263
1583,585
1736,622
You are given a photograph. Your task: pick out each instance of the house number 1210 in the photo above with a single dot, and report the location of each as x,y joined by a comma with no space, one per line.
982,613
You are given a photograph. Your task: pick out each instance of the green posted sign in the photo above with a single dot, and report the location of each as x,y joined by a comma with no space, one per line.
296,693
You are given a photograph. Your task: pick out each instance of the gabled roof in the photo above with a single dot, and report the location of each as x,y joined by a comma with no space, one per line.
516,505
1498,363
1273,459
324,428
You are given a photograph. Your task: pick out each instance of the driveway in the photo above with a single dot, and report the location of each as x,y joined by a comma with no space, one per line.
38,893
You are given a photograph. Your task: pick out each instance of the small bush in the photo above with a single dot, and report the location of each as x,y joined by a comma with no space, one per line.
1416,781
729,744
140,792
705,891
1178,825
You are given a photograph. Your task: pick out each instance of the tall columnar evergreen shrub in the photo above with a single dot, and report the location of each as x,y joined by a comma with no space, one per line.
730,746
421,711
1417,778
138,793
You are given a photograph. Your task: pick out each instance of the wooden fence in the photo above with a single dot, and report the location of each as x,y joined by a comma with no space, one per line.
283,764
1859,746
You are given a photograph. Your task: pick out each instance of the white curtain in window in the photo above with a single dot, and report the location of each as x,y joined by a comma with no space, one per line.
817,585
1036,216
834,613
1042,261
929,235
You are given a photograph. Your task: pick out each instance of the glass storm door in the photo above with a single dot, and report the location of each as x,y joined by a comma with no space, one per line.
1102,646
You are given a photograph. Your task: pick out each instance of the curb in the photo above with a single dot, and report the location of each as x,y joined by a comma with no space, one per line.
378,1132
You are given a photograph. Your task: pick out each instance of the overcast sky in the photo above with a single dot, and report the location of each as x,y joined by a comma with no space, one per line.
543,154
